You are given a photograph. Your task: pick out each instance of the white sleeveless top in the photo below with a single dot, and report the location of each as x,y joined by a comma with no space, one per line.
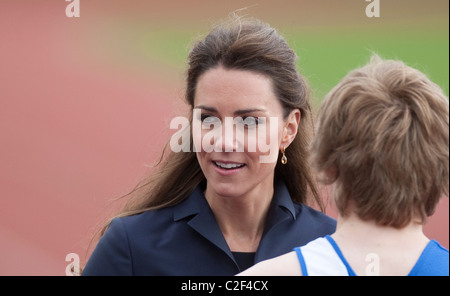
321,257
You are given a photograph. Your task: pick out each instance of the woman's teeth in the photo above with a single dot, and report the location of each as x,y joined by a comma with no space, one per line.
229,166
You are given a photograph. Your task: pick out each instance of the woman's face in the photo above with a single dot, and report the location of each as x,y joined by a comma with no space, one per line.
238,129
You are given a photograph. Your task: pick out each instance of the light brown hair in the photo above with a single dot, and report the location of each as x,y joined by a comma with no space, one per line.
383,138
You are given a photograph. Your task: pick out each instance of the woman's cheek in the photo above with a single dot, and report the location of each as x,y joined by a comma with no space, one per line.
268,138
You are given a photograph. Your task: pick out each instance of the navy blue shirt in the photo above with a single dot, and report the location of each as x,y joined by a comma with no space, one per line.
185,239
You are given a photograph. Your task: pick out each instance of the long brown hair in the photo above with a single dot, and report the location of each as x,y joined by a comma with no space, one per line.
245,44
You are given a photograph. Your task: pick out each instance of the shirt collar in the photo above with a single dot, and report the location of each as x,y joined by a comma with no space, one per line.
192,205
196,202
282,198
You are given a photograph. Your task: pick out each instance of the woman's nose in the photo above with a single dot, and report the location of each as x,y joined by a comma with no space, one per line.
226,139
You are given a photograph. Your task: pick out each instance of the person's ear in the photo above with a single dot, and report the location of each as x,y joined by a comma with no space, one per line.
290,128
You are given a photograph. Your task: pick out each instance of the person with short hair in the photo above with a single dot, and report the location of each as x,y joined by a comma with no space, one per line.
382,140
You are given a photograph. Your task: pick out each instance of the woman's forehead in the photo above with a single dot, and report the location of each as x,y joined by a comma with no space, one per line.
234,90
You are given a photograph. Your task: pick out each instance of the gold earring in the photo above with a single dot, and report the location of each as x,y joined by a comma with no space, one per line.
283,158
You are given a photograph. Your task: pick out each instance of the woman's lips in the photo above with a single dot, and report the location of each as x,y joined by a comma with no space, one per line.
227,168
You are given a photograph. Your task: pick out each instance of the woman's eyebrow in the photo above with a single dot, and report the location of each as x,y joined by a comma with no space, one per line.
206,108
236,113
246,111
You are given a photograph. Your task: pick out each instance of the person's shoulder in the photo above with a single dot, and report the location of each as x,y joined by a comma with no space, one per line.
146,221
151,221
284,265
439,248
436,252
434,261
439,257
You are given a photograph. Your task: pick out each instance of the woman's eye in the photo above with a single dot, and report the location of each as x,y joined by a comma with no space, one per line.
250,121
207,120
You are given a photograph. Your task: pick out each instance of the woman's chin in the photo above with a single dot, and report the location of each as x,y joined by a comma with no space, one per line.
227,190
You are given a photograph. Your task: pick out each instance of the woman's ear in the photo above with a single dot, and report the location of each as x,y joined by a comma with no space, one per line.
290,127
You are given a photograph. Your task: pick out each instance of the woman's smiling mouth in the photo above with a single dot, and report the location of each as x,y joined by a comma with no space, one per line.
228,165
227,168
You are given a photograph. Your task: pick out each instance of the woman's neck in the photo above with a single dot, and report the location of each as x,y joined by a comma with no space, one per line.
241,218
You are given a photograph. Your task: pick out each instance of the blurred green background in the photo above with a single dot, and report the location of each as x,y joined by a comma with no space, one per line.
330,37
326,55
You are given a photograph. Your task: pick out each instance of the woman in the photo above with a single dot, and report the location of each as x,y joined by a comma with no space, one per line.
224,207
382,140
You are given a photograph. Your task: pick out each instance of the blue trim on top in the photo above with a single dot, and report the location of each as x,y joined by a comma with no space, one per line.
301,259
432,261
341,256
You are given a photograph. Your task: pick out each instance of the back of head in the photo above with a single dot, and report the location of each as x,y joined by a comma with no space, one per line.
383,137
